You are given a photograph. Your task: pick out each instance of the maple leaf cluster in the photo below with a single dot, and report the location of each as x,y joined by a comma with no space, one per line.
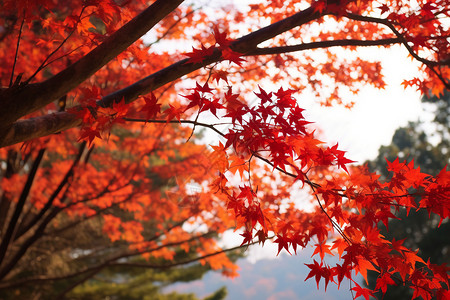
354,202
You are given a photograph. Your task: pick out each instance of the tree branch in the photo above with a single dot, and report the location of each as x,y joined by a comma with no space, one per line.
399,35
180,263
30,98
322,44
429,63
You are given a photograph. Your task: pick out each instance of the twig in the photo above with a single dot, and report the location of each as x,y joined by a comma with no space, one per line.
17,51
323,44
43,65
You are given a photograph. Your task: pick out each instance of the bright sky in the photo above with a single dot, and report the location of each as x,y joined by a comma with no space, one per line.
376,114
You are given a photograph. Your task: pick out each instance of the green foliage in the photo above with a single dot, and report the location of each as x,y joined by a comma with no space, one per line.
129,284
218,295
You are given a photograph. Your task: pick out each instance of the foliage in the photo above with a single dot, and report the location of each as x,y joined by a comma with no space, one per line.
142,284
417,227
139,185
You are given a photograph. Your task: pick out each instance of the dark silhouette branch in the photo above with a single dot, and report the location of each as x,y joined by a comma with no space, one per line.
9,234
29,242
23,229
403,40
323,44
5,199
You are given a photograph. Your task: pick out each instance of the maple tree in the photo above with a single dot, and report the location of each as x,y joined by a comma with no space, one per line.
93,130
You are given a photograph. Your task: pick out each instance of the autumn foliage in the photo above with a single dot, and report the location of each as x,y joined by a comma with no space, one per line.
99,127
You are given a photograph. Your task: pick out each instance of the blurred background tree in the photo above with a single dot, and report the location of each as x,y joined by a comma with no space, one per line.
96,254
428,144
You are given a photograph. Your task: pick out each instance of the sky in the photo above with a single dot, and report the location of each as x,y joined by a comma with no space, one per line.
377,113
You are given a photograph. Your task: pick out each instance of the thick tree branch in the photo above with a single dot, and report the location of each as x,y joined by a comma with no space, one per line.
27,244
32,128
17,103
5,199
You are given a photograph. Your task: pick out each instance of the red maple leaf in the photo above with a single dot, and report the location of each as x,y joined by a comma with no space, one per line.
321,249
151,107
232,56
199,55
221,38
120,110
218,75
203,88
366,293
195,99
341,272
212,106
248,237
341,160
383,282
173,112
88,134
319,271
340,245
235,108
384,8
319,6
264,96
282,242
